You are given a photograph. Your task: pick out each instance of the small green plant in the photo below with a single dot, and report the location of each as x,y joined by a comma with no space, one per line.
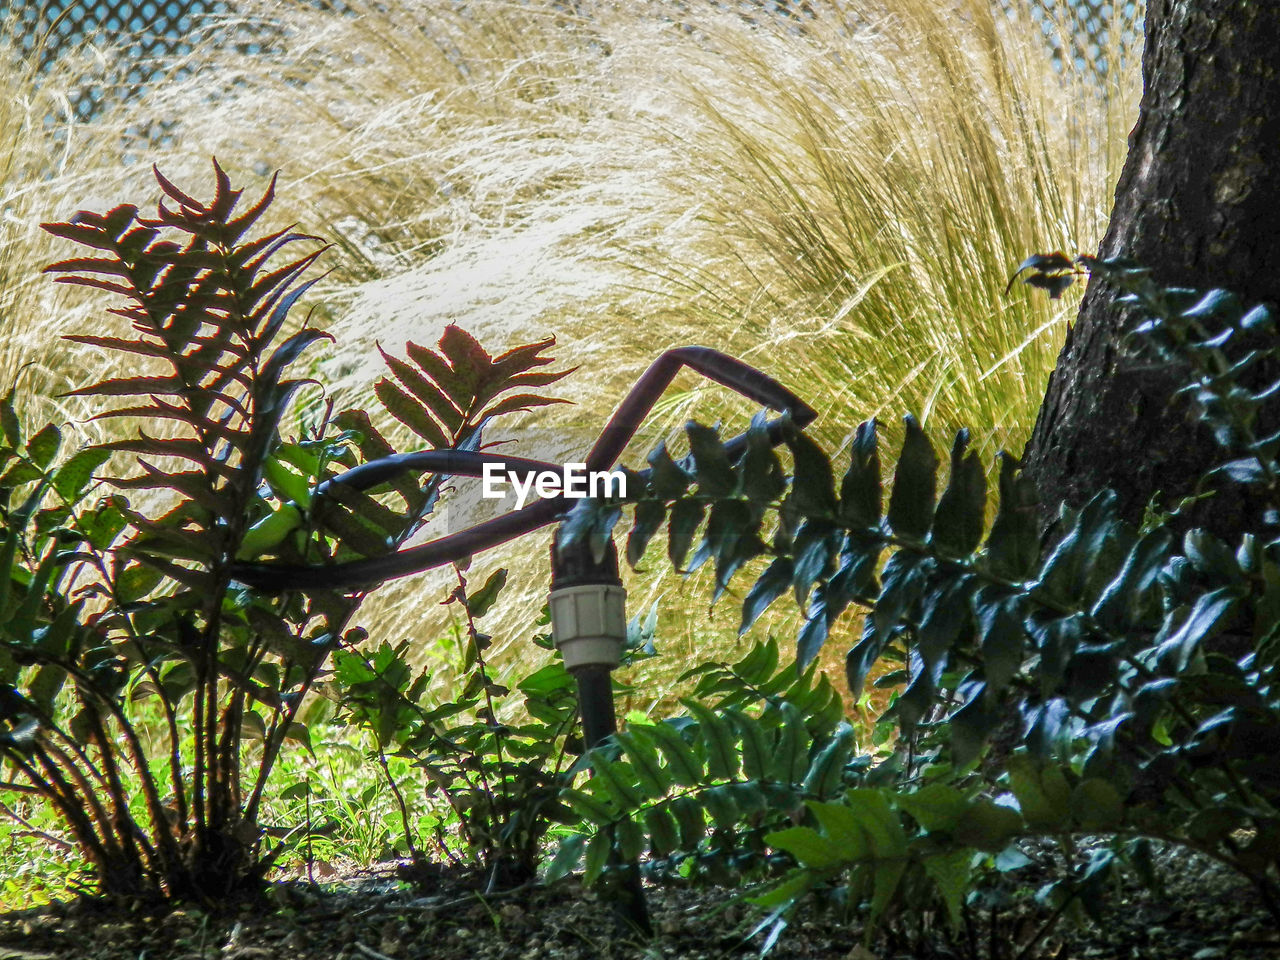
702,790
498,776
497,758
1136,668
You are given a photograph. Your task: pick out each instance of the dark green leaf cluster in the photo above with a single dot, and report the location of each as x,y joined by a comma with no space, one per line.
1139,664
702,790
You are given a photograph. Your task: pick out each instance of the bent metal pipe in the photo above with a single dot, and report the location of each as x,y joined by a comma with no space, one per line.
622,426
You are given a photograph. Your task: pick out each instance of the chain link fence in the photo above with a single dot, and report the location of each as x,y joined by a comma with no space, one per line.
146,30
1089,23
149,31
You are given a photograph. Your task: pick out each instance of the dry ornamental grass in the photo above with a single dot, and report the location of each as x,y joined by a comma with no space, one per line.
838,197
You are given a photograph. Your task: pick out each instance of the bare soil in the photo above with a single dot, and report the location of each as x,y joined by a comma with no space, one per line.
1204,913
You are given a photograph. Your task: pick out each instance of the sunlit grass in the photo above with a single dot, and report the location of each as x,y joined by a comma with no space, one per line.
839,199
328,810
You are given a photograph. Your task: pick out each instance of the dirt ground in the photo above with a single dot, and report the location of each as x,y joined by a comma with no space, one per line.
1205,914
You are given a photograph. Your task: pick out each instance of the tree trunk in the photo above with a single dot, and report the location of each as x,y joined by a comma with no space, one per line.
1199,202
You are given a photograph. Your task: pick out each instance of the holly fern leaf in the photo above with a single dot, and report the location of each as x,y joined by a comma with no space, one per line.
444,394
204,364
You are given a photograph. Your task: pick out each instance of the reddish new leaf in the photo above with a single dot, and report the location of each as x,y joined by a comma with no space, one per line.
431,396
410,412
518,402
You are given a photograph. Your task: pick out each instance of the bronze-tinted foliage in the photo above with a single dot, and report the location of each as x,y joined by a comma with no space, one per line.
449,391
207,309
445,396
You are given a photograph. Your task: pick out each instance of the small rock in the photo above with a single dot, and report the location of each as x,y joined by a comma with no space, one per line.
178,921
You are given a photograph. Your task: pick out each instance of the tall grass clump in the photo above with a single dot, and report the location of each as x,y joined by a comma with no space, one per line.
50,162
863,182
838,196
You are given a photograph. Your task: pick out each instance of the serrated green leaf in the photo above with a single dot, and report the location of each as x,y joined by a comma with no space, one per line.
845,834
660,825
1002,632
950,873
619,780
682,763
591,808
74,475
914,485
935,806
691,821
879,820
10,423
649,515
885,879
757,744
722,805
667,478
630,839
790,891
686,516
712,468
717,741
960,518
825,774
482,601
43,447
1013,545
811,849
567,858
643,757
20,473
816,544
860,489
596,858
791,757
760,474
813,487
760,662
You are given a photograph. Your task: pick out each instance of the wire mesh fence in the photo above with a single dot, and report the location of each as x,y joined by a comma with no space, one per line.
144,30
1088,22
146,33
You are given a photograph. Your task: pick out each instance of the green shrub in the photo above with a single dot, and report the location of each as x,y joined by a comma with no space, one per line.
1129,675
498,777
703,789
109,607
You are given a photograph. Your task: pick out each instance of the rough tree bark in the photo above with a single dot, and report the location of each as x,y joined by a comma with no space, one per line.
1199,202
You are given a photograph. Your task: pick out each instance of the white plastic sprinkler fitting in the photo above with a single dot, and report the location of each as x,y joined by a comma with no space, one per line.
589,624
